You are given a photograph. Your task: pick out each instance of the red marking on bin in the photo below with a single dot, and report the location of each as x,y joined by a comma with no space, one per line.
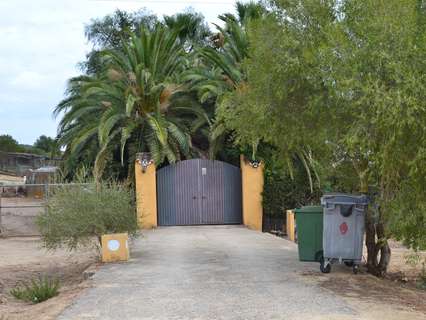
343,228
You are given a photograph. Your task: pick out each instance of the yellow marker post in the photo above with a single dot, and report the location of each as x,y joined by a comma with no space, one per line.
115,247
290,225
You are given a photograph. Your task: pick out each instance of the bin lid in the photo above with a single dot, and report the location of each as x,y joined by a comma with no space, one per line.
343,198
310,209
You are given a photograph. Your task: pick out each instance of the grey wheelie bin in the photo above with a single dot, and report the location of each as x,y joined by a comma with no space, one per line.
343,229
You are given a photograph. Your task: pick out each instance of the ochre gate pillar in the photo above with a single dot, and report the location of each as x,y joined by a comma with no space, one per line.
146,191
252,185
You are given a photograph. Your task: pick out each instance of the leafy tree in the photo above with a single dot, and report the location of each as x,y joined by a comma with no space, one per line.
8,144
377,76
343,82
47,145
283,189
109,31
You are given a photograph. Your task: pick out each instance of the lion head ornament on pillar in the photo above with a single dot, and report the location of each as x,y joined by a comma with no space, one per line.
144,159
254,163
251,162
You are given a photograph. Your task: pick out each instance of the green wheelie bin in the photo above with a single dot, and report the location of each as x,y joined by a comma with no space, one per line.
309,224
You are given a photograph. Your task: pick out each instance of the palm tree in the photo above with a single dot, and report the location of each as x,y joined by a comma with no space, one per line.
219,66
191,27
249,11
220,73
131,103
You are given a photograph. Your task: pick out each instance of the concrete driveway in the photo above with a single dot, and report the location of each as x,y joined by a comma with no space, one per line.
208,272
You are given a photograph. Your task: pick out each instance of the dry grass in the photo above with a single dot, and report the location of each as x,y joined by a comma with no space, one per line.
23,259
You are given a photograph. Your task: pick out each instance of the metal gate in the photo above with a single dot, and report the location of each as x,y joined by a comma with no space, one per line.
199,191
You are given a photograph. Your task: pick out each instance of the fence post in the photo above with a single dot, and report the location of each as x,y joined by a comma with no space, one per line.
46,196
1,225
146,191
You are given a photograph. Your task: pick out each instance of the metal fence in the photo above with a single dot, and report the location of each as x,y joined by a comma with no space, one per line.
17,163
20,204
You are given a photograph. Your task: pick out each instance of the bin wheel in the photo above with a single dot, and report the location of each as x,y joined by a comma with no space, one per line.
349,263
323,267
355,269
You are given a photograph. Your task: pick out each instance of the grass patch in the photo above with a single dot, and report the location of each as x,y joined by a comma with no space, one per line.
421,284
36,291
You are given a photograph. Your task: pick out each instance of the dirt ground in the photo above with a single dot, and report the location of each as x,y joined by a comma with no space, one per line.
374,295
398,267
19,206
18,215
22,259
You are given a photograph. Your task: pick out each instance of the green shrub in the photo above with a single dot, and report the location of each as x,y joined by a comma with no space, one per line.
281,191
75,214
37,290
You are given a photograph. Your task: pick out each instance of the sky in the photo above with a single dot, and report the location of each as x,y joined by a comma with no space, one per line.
41,43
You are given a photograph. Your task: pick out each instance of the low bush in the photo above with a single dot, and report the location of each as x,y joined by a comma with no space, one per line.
282,191
76,214
36,291
415,260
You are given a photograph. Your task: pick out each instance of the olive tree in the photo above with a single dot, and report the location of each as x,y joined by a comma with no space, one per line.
344,81
77,215
375,75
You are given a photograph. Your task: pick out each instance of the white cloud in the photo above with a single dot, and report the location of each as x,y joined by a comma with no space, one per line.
28,79
41,43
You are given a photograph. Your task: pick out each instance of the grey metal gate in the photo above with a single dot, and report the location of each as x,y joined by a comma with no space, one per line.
198,191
